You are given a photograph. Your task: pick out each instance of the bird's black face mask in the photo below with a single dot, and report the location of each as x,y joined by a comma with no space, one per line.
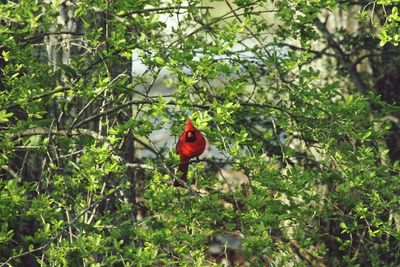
190,136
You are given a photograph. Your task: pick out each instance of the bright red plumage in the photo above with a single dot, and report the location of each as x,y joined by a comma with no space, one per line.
191,144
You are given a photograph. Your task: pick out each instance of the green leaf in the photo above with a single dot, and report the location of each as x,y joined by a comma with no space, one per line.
5,55
4,116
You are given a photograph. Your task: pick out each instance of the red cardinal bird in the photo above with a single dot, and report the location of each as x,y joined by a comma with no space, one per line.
191,144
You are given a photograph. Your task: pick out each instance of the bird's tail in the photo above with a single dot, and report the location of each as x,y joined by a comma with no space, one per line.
183,168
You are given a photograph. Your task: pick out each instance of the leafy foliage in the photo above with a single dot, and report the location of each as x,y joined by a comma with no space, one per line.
293,104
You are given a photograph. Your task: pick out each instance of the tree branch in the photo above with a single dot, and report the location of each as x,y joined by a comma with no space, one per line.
52,92
65,133
160,10
11,172
318,53
343,58
170,103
